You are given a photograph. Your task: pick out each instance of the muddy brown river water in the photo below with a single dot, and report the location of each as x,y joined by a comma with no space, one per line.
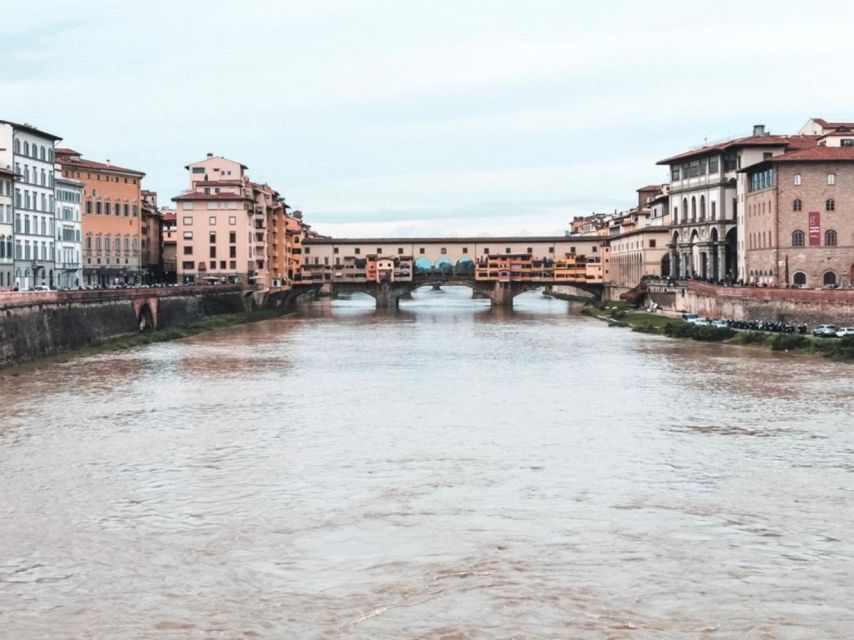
444,472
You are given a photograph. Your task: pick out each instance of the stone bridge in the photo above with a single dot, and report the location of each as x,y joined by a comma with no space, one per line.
388,294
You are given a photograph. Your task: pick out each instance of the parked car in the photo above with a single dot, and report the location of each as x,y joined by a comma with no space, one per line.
825,331
845,331
690,317
41,287
720,324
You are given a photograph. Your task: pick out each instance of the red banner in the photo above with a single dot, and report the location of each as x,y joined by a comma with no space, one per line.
815,229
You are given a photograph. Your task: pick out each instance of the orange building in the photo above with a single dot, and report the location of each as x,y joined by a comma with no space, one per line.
111,206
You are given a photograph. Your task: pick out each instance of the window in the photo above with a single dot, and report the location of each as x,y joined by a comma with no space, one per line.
799,279
379,250
198,169
188,220
830,238
713,165
188,250
400,251
357,251
797,181
444,251
714,210
232,220
127,210
232,252
188,266
831,179
797,205
798,238
188,235
232,264
421,251
830,205
188,206
507,250
652,244
213,255
829,279
212,237
232,237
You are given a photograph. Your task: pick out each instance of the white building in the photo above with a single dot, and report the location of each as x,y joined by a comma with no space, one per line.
69,265
7,244
707,203
29,151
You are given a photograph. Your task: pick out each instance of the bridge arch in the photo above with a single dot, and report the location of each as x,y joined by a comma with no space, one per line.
464,267
423,265
146,320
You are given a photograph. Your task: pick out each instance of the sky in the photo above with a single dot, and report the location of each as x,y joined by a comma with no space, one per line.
415,117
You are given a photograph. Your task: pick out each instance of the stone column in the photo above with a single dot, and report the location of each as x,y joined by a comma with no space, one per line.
673,260
722,260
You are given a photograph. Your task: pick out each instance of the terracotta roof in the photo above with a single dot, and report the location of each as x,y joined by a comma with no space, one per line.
831,125
749,141
817,154
650,187
218,183
170,217
28,128
445,240
67,160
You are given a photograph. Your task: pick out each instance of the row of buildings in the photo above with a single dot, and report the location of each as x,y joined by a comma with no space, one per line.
760,209
67,222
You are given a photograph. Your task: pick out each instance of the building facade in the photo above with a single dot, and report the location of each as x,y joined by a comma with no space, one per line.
68,259
30,154
150,238
706,194
799,228
7,243
216,224
111,219
169,245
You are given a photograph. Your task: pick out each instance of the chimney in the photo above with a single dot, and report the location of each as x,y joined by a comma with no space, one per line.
759,129
210,155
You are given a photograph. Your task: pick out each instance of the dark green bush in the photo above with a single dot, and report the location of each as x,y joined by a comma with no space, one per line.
788,342
750,337
697,332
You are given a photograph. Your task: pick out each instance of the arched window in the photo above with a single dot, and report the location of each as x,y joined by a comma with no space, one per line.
831,179
830,238
798,238
829,278
684,209
797,179
702,208
830,205
693,209
26,148
797,205
17,148
799,279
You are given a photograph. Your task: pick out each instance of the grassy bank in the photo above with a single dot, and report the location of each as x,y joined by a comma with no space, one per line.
620,314
568,297
131,341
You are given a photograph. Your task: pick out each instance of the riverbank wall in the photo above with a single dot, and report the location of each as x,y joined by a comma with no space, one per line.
807,306
38,324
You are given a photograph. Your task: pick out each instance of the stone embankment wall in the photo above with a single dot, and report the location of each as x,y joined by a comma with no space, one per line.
808,306
37,324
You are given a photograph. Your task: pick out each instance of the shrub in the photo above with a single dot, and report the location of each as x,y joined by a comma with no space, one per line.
788,342
750,337
697,332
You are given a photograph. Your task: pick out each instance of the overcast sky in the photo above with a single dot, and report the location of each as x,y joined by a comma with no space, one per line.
408,117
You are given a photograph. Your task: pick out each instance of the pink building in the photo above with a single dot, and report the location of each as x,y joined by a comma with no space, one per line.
217,222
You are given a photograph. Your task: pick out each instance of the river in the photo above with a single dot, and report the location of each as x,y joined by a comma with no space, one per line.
446,472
